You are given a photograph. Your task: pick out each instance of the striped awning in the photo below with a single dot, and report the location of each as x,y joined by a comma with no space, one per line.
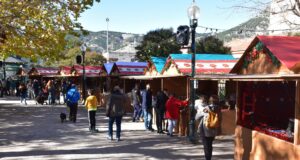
206,66
131,68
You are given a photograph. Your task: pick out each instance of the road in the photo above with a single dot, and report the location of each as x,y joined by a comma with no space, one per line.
35,132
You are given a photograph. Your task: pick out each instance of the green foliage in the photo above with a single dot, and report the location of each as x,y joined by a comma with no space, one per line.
37,29
94,59
159,43
211,44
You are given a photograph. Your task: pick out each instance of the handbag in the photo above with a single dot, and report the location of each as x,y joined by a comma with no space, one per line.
212,120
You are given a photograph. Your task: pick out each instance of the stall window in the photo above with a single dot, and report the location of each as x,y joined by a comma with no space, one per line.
268,107
222,89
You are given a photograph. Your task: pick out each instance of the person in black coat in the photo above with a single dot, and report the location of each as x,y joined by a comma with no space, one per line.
161,99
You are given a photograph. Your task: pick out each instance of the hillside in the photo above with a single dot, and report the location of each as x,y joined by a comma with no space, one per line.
116,40
250,28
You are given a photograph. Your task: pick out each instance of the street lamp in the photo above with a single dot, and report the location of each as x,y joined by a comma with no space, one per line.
193,14
83,50
107,20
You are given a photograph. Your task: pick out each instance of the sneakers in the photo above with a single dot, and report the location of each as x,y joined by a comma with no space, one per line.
109,138
118,139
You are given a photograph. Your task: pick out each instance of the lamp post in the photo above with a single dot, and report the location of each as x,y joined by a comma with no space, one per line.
83,50
193,14
107,20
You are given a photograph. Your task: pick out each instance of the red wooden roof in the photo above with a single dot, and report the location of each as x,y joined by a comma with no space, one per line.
286,49
90,71
66,70
45,71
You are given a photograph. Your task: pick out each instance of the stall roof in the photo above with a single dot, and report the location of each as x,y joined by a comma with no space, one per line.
131,68
285,49
90,71
205,63
44,71
254,77
144,77
65,70
108,67
159,63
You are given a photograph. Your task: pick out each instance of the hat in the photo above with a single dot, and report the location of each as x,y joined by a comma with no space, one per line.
117,88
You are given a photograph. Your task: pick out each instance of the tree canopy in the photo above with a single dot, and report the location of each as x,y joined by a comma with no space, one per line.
211,44
36,29
160,43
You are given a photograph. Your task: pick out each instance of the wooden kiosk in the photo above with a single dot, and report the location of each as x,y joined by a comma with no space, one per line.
268,99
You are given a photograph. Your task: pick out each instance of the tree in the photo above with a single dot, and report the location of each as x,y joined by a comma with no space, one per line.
288,10
36,29
211,44
160,43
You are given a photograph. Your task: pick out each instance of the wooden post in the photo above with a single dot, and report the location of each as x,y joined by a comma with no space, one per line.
297,114
238,103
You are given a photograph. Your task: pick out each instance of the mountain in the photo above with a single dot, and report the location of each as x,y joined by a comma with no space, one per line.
96,41
248,29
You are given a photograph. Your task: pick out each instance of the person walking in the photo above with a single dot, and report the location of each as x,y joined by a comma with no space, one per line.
147,107
207,133
115,111
23,93
172,112
91,105
160,107
72,102
136,102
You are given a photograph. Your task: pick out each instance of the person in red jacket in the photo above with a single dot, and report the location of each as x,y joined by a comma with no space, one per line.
172,111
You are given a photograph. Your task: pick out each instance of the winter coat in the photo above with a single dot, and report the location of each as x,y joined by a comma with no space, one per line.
173,107
136,96
202,129
116,104
146,99
161,100
73,95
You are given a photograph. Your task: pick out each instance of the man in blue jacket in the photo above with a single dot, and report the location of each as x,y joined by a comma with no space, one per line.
147,107
72,102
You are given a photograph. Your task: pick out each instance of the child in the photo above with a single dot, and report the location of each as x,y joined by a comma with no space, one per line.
200,104
91,106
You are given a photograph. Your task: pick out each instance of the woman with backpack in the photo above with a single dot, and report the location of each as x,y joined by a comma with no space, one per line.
209,125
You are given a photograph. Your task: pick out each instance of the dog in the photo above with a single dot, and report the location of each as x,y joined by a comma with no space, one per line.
63,117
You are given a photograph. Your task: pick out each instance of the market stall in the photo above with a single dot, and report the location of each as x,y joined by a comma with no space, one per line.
268,99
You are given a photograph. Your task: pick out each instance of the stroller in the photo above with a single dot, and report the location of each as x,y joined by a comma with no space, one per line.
40,99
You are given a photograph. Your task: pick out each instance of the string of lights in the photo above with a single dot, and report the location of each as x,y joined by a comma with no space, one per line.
211,29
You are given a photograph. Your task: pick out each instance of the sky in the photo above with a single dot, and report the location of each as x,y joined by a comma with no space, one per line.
142,16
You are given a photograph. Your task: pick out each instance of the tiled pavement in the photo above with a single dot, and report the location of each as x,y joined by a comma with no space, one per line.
35,132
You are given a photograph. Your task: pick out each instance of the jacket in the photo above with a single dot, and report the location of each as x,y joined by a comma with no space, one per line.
136,96
203,130
146,99
115,105
91,103
73,95
173,106
161,100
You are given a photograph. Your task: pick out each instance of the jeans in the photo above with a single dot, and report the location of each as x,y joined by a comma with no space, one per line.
159,119
73,112
208,148
92,120
171,125
148,118
23,97
118,125
137,112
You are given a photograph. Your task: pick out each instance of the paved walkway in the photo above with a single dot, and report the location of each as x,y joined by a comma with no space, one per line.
35,132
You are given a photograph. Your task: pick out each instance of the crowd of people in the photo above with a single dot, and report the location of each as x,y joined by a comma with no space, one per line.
167,109
48,92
